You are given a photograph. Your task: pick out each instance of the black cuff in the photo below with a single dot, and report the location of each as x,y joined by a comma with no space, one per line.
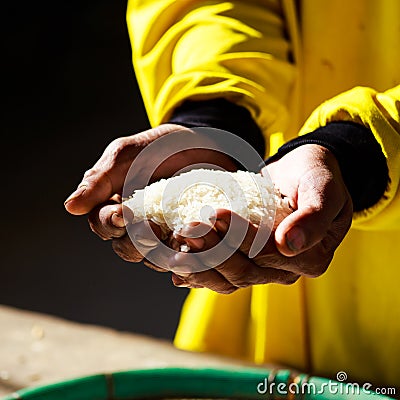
220,114
360,157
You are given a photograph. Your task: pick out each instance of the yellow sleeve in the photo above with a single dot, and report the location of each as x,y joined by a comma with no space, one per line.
380,112
205,49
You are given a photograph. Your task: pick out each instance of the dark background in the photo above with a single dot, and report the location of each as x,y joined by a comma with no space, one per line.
69,89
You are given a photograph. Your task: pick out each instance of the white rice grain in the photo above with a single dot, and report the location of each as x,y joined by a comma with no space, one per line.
194,195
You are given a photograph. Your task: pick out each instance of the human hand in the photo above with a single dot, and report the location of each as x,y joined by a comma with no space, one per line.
99,193
303,243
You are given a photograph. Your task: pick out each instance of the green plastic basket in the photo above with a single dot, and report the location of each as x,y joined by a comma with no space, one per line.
184,383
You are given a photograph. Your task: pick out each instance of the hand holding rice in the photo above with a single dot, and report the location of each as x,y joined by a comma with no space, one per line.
194,195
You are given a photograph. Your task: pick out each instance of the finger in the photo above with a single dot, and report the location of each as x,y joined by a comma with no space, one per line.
340,226
198,236
235,230
154,267
206,245
173,243
319,203
126,250
116,198
315,261
241,272
145,236
208,279
237,270
101,181
234,266
243,235
107,176
107,221
270,259
179,281
142,239
96,187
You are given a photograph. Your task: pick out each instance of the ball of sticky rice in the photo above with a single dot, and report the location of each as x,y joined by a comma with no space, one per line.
194,195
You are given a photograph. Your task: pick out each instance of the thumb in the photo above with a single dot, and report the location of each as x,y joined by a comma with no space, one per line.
102,181
310,223
95,188
107,176
299,232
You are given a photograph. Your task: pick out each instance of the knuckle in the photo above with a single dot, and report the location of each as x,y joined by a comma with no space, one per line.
90,173
314,263
243,281
188,277
100,223
116,147
225,290
240,276
203,279
188,259
196,279
105,214
212,260
127,253
270,261
96,229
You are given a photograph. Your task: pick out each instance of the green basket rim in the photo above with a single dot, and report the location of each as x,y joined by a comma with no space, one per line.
178,382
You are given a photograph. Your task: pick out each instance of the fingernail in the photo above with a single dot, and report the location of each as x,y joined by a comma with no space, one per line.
195,243
179,281
78,192
183,284
182,275
145,241
295,239
117,220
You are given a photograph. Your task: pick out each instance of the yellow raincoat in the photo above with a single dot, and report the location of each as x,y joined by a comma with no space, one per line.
282,63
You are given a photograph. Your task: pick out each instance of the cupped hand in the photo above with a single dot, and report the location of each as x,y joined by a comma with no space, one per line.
99,193
303,243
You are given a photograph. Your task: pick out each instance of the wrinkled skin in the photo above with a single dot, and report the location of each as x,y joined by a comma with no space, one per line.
99,193
302,245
